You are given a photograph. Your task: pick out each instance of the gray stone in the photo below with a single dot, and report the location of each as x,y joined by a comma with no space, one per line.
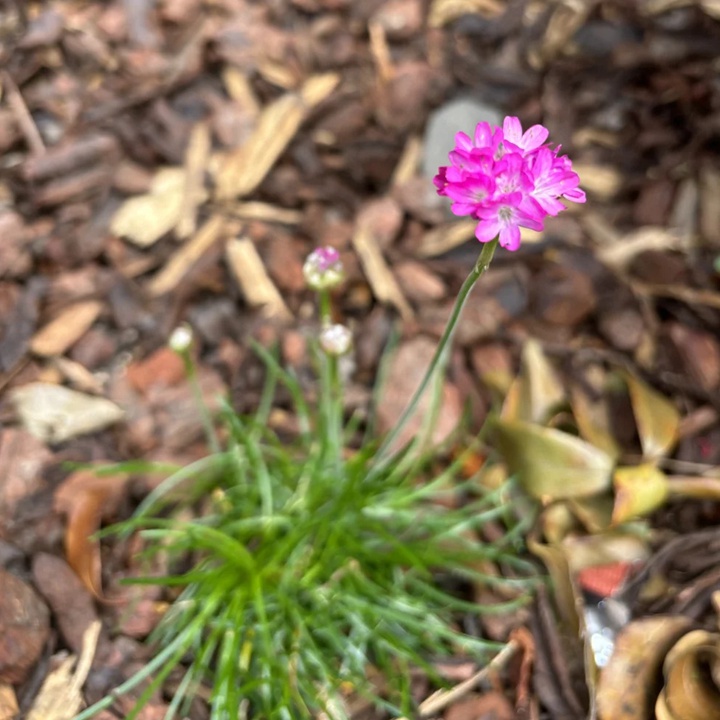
459,114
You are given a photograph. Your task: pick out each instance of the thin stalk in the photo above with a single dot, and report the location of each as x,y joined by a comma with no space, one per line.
192,376
442,350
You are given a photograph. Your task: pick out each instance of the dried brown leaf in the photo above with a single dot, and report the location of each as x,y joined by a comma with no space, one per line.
86,499
690,692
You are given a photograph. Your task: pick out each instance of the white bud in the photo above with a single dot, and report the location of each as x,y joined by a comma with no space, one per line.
335,339
181,339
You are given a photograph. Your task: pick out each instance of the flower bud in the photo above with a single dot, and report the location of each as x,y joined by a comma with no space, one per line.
323,269
181,339
335,339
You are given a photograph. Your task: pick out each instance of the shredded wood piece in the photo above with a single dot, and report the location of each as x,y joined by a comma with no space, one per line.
245,168
22,115
381,52
187,256
266,212
60,697
446,237
602,181
379,275
409,160
240,90
196,161
443,12
68,327
257,287
620,254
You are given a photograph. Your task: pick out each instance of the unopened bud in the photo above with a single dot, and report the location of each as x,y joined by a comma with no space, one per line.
181,339
335,339
323,268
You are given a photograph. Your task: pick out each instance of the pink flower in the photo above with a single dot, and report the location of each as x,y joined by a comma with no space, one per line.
507,179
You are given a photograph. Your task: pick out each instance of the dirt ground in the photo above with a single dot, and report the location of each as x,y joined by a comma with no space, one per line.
169,161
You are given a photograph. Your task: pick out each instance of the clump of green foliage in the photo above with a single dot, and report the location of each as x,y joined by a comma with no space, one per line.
311,561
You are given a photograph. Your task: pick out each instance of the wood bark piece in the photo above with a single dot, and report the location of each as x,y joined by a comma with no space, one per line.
66,329
187,257
69,157
255,283
379,275
245,168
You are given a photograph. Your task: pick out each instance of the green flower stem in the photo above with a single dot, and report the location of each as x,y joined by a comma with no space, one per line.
442,351
325,307
192,376
332,390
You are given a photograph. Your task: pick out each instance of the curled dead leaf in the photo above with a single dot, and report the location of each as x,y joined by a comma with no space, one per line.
627,688
690,692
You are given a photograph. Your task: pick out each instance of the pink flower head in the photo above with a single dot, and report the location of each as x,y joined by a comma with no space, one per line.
323,269
507,179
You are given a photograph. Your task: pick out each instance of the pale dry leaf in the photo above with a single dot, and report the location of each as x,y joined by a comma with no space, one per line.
196,161
54,413
60,696
144,219
245,168
66,329
187,256
379,275
252,277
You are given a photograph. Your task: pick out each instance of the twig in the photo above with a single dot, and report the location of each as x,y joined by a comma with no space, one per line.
441,699
22,115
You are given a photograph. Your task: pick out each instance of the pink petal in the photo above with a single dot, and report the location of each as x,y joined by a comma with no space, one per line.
487,230
509,237
512,130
